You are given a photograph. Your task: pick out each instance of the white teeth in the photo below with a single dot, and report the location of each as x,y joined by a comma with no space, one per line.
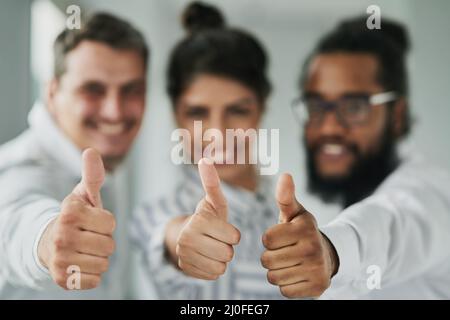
333,149
111,129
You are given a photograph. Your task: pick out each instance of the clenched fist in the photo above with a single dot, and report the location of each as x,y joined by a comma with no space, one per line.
205,243
300,259
81,235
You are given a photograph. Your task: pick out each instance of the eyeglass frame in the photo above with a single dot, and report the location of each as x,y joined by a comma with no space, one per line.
373,100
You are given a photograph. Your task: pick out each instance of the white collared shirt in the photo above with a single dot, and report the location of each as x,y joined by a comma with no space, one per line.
38,170
394,244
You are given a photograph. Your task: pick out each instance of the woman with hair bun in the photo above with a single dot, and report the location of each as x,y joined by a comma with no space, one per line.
217,75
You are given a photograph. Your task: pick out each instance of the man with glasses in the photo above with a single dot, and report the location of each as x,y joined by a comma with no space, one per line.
390,239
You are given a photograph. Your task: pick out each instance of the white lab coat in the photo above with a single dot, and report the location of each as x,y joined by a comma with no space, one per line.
38,170
400,235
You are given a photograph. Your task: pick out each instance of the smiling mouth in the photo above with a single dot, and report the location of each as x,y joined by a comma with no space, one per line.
109,129
333,150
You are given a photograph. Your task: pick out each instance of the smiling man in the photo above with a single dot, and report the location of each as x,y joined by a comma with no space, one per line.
96,99
395,222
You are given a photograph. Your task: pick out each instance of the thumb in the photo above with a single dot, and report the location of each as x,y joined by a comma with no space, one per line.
211,185
92,177
285,195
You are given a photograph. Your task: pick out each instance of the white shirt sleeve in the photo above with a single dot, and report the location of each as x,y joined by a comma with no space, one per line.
24,214
402,229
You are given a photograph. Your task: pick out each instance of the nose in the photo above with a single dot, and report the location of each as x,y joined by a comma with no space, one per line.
331,125
111,109
216,121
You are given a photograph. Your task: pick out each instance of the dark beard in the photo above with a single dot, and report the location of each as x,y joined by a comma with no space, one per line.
365,176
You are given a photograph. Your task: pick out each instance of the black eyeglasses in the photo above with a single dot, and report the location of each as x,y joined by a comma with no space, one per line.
350,111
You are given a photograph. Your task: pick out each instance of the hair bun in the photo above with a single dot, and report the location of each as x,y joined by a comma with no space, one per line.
200,16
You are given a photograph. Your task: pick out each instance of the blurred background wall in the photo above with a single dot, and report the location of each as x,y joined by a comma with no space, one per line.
288,28
15,72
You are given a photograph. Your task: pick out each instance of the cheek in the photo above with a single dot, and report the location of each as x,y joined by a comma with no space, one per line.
310,134
135,111
368,138
75,111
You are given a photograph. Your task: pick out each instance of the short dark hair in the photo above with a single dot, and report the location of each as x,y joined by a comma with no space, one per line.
100,27
210,47
389,45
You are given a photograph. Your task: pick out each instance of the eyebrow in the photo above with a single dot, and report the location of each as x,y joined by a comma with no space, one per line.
241,101
352,94
135,82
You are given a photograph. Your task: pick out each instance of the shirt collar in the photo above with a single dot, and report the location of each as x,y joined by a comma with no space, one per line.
55,142
238,198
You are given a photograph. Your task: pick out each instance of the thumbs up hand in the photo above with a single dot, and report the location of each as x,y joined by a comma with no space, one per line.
300,260
205,243
81,235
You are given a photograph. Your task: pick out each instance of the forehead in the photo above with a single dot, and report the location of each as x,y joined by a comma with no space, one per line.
334,74
215,89
92,60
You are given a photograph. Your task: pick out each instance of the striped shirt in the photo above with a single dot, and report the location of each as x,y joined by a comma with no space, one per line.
251,212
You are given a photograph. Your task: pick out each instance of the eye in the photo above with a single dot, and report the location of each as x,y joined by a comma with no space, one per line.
93,89
133,90
238,110
355,106
196,112
314,105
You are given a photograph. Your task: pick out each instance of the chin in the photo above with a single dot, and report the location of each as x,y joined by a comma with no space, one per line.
112,155
333,174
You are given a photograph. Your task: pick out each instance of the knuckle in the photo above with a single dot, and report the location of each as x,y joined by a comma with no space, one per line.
61,240
311,247
213,277
93,281
287,292
60,280
110,220
184,239
229,253
272,277
104,266
268,240
60,263
318,290
111,247
236,236
265,260
324,283
69,217
220,269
